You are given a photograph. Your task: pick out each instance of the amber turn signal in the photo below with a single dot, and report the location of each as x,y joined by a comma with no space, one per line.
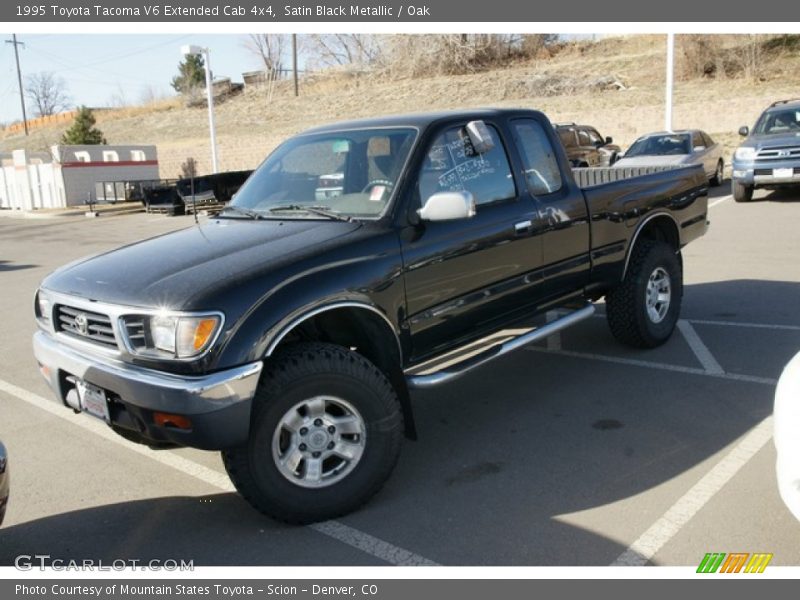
167,420
202,333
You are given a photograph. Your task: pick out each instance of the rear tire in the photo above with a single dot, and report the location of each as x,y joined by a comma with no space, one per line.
719,174
324,436
643,309
741,192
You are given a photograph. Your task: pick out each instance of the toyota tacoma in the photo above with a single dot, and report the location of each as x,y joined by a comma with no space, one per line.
361,261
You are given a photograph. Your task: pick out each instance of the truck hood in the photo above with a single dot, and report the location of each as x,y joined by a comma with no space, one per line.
171,270
774,139
652,161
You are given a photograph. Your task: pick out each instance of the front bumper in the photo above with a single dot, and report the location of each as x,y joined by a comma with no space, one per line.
217,405
765,173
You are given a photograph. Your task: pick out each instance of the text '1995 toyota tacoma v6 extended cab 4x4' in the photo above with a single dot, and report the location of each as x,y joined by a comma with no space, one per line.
361,260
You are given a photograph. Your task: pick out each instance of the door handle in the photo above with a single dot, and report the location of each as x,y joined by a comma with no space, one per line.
522,226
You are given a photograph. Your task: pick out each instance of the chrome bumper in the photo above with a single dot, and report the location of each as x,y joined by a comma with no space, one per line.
145,388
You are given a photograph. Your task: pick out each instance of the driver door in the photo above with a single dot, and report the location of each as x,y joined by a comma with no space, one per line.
465,276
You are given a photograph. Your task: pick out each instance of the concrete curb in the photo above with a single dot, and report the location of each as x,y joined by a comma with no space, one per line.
74,211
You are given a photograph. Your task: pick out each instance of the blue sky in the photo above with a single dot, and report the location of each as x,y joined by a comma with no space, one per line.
98,67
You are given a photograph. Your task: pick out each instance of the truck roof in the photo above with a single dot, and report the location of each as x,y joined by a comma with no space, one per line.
422,120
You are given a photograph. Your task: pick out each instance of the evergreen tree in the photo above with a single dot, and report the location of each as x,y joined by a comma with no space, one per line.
83,130
191,74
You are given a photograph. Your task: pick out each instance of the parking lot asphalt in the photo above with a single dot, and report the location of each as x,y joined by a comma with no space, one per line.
575,451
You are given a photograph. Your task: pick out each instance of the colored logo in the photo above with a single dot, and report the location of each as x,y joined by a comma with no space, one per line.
736,562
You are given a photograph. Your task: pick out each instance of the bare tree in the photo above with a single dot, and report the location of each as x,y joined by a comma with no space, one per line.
269,48
48,93
345,49
118,99
150,93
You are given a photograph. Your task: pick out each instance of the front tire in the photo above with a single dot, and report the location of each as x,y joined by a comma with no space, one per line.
741,192
325,435
643,309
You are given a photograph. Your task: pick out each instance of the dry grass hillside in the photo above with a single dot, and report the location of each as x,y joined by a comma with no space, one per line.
579,83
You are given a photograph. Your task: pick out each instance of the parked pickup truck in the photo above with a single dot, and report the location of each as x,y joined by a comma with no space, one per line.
288,333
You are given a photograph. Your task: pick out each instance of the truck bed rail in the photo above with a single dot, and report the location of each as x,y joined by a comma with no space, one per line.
587,177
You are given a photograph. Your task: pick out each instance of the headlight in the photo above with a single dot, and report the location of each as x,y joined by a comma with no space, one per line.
170,336
44,307
745,153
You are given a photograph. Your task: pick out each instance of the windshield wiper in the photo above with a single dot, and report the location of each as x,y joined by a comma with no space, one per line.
323,211
247,212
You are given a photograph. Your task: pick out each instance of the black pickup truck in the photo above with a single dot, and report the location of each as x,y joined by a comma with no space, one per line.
360,261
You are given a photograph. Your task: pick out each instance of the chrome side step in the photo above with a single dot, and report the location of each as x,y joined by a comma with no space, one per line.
454,364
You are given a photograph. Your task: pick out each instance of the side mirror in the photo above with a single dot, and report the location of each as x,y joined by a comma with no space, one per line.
744,131
698,148
480,137
609,139
448,206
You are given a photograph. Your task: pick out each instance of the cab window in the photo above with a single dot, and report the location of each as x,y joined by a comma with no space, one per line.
538,157
595,138
452,165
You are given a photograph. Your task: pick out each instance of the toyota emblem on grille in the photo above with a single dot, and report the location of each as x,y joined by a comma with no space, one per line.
81,324
784,152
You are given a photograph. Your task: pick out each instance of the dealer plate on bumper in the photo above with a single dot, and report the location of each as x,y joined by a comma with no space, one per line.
782,173
93,400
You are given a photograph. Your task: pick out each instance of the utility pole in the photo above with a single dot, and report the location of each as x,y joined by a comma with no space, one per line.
294,63
19,78
669,83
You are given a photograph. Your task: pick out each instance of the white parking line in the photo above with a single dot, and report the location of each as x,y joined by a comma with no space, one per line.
602,315
333,529
188,467
700,350
654,365
554,340
371,545
720,200
688,505
737,324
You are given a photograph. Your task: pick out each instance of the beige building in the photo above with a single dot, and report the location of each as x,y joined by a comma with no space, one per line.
70,175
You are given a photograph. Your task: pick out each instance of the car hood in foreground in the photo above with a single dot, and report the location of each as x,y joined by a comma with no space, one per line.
173,269
787,435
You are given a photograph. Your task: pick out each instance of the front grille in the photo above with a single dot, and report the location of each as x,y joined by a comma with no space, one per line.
136,333
86,325
768,172
779,153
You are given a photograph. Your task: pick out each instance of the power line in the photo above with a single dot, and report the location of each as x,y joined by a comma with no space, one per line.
120,56
14,41
72,67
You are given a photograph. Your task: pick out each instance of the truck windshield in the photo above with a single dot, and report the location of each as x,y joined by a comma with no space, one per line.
660,145
344,173
778,121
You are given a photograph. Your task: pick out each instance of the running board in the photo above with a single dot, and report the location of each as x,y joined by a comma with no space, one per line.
454,364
